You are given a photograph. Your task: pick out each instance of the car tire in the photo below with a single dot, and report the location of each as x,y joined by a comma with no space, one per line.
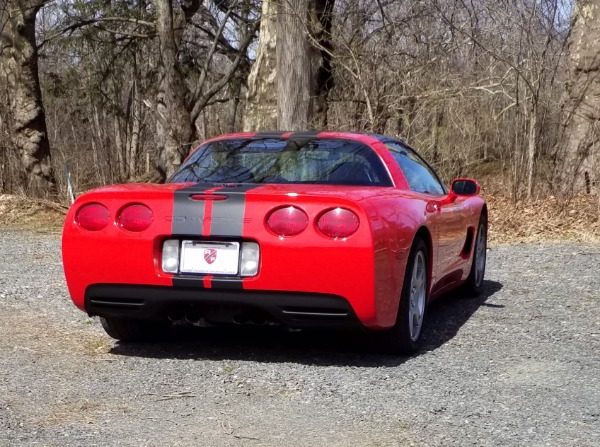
474,283
405,337
130,330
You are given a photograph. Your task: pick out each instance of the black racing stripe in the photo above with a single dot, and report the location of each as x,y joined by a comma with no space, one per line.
227,221
228,215
217,282
301,139
304,135
188,215
275,134
226,283
189,283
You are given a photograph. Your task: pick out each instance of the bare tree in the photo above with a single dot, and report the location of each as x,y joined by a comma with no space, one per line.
19,67
173,123
579,152
162,60
290,81
531,56
295,68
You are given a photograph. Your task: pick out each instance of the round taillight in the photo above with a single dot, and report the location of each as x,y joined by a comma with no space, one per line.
135,217
338,223
287,221
93,216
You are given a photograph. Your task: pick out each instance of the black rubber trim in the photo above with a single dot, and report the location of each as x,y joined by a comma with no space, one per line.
293,309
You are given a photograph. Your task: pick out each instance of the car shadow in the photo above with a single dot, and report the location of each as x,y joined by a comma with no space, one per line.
448,314
320,348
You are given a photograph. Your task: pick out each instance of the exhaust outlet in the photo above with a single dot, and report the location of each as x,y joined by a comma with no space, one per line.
194,318
258,320
175,317
241,319
252,319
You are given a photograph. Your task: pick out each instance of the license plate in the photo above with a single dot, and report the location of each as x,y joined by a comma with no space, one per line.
210,257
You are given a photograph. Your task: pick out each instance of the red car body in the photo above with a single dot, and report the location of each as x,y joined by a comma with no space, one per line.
307,279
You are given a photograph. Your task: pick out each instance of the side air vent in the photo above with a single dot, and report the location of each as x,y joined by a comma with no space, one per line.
466,251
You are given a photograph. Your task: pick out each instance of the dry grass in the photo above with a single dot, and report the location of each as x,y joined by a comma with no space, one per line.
547,219
528,221
71,412
48,339
17,212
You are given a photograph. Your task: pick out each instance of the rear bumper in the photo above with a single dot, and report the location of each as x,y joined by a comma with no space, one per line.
293,309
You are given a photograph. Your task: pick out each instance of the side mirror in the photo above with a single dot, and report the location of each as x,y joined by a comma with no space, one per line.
464,187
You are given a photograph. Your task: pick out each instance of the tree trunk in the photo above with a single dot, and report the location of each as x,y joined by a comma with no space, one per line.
120,148
322,60
235,87
532,142
295,70
134,132
261,98
19,65
290,81
579,154
237,81
173,124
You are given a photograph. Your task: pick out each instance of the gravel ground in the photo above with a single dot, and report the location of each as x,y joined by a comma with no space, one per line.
517,367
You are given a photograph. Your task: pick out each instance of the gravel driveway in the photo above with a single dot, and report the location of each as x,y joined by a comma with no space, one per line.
518,367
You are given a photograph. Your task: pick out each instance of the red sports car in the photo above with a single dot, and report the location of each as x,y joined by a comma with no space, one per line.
328,229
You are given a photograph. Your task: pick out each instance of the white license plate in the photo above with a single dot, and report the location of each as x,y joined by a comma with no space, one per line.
210,258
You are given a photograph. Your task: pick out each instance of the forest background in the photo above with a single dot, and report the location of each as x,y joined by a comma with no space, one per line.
121,90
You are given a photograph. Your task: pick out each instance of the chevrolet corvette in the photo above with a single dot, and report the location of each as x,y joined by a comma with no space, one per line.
290,229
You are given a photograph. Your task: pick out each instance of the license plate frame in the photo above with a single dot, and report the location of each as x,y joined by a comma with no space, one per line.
209,258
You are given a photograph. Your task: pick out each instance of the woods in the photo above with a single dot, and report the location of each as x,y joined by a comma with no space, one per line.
122,90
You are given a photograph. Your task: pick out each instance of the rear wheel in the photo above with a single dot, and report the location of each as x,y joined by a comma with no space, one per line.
474,283
134,330
405,336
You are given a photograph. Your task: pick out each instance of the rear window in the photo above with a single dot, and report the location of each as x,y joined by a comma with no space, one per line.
328,161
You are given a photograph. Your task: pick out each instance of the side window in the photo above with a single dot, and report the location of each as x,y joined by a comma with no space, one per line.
419,175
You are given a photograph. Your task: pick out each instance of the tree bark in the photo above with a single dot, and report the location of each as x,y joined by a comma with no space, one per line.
532,143
135,125
579,154
174,129
19,65
290,81
295,70
261,97
235,87
322,60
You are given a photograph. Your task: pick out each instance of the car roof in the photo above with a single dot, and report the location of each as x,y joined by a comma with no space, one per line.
295,135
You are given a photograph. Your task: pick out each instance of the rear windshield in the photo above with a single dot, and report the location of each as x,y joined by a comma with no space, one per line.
330,161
